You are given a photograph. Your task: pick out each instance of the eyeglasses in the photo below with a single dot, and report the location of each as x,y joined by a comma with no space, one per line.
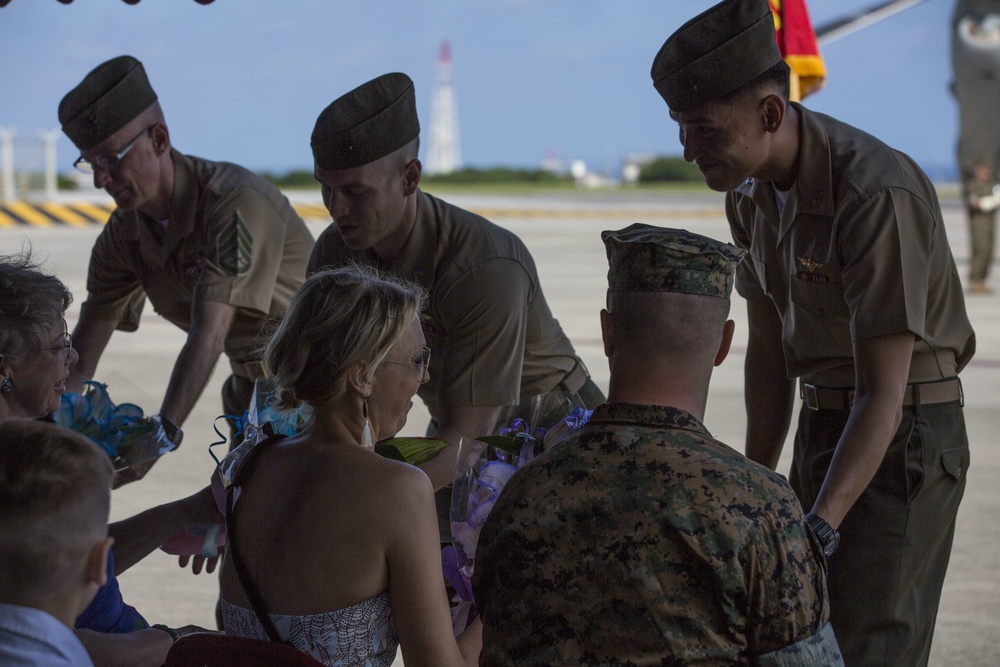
108,162
67,344
423,363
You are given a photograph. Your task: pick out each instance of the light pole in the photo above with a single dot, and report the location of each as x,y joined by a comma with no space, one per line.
7,192
50,138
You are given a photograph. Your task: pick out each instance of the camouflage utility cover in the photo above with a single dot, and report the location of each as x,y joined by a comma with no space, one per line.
644,258
642,540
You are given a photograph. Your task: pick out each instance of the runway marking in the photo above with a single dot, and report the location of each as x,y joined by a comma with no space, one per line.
28,213
83,213
64,214
94,212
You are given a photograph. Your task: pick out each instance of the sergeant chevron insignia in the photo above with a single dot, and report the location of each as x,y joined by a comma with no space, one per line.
235,246
810,265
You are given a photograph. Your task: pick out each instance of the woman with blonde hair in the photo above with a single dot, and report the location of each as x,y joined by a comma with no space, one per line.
339,544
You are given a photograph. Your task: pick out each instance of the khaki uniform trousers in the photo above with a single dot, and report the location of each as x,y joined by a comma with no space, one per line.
885,580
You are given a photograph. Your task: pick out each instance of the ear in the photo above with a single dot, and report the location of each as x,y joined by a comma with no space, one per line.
606,333
411,176
727,340
160,136
773,112
358,380
97,561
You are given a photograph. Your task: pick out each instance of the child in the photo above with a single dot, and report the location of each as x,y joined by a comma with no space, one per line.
54,502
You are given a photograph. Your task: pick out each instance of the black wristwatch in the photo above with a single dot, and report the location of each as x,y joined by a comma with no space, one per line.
172,431
828,538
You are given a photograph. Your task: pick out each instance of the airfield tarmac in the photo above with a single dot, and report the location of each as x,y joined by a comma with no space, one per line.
562,232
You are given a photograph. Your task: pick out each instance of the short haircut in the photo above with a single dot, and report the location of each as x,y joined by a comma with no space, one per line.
774,79
55,493
32,302
337,318
668,323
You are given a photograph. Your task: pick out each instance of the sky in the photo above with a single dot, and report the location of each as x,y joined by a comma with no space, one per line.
244,80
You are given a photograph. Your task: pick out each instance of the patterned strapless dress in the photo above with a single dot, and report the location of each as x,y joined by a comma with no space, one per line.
361,635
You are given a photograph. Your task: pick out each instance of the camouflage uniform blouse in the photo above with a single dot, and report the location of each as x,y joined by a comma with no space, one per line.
643,541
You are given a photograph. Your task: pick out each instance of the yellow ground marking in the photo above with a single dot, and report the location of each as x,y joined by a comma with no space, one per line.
99,214
64,214
29,214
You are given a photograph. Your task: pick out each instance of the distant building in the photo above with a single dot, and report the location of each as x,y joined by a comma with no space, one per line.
633,164
444,152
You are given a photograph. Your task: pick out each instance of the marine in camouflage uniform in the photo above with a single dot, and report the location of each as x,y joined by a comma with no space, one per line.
642,540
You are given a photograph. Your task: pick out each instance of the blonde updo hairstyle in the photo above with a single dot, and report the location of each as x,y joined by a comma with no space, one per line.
338,318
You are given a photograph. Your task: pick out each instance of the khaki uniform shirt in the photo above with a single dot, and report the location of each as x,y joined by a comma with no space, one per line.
859,252
493,337
641,540
232,237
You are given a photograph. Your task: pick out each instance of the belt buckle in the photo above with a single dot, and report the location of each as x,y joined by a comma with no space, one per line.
810,396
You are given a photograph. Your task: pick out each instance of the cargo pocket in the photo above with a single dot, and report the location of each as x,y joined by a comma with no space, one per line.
956,462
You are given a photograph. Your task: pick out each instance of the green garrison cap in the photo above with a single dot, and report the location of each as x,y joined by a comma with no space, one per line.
106,100
643,258
715,53
368,123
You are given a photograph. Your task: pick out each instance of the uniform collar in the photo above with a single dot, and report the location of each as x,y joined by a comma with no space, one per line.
812,191
659,416
417,257
183,202
814,185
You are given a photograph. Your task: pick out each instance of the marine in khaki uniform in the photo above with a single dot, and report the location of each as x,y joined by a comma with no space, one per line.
217,250
851,288
493,336
641,539
975,60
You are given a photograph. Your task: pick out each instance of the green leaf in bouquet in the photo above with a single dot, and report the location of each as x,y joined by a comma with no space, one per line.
415,451
389,451
132,433
504,442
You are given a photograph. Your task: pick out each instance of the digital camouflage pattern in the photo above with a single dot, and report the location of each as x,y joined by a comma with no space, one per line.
641,540
644,258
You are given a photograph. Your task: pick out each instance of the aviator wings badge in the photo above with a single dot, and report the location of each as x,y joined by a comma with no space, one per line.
810,265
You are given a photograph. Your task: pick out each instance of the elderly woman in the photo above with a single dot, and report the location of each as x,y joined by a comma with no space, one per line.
36,352
340,543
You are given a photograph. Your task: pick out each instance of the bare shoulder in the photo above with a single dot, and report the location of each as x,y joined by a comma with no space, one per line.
404,479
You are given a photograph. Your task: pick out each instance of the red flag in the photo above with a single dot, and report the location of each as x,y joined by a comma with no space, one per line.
797,43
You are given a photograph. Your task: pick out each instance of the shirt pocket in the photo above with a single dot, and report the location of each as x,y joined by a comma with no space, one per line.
821,299
818,322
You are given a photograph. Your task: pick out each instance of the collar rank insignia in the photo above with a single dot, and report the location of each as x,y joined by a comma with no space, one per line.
810,265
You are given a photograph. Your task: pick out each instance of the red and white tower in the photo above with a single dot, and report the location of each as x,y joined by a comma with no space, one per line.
444,152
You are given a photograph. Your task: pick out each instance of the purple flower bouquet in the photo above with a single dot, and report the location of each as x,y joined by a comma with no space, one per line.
485,466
